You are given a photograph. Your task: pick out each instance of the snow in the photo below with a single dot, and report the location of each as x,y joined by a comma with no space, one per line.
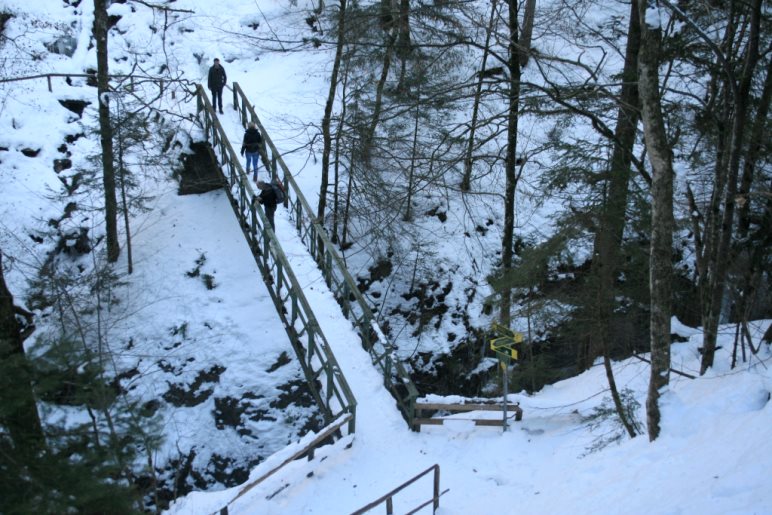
713,456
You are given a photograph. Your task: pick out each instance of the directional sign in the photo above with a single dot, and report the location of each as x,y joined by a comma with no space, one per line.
504,342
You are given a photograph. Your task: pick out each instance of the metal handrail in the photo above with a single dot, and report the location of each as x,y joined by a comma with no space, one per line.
306,450
308,340
336,274
434,501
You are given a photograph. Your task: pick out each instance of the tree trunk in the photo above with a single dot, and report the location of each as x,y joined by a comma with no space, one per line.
525,38
105,130
756,251
124,197
414,151
660,158
344,244
17,400
404,43
721,232
370,135
466,182
608,238
755,146
334,236
510,163
327,138
608,241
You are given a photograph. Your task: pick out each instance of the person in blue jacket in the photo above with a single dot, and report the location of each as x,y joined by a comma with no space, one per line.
251,147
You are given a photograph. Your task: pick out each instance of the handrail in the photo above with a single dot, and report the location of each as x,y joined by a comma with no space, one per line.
305,334
336,275
307,449
48,76
434,501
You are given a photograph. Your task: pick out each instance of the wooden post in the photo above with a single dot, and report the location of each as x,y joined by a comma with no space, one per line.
48,77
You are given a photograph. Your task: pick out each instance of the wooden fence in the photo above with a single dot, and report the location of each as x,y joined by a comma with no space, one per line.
423,408
91,79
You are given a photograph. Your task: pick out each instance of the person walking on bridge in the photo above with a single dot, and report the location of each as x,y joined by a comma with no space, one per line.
268,199
251,147
216,83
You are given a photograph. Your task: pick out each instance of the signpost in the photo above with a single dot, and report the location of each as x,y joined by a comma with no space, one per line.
503,345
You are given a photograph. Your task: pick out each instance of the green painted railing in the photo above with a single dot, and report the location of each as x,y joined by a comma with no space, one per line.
324,376
354,306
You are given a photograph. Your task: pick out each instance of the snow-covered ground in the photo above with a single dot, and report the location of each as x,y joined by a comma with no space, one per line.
715,451
713,456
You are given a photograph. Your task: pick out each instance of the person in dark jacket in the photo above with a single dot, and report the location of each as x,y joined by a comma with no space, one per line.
267,198
216,83
251,147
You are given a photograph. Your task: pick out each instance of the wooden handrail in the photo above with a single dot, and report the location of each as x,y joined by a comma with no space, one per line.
435,500
467,406
419,420
336,274
308,340
48,77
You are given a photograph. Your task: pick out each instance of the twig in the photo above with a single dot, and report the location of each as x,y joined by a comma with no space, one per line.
671,369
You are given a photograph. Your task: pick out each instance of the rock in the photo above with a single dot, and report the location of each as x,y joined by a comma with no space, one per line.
64,45
76,106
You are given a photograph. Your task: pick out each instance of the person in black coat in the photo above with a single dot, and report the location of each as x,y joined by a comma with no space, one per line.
216,83
268,199
251,147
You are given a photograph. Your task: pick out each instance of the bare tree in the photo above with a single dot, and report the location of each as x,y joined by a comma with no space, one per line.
608,238
661,160
466,182
714,248
105,130
510,162
328,106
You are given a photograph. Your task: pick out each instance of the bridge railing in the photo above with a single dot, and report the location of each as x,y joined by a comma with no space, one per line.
338,279
334,397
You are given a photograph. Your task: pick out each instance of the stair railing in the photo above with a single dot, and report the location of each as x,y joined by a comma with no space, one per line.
312,233
311,347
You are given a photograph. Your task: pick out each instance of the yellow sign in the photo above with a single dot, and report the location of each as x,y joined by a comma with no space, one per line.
504,342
